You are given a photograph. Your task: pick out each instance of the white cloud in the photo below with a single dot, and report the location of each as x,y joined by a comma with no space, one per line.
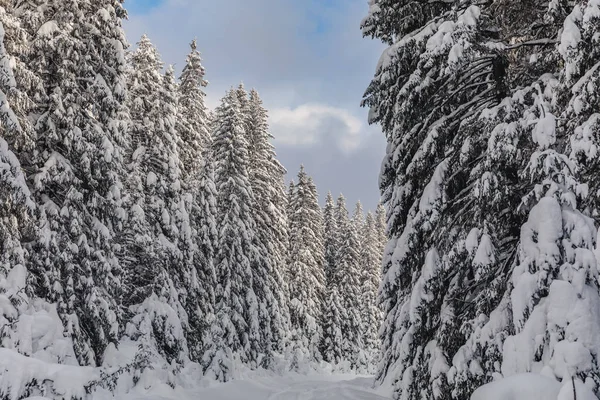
312,124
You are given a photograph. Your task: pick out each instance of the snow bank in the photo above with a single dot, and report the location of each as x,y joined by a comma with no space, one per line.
532,387
21,376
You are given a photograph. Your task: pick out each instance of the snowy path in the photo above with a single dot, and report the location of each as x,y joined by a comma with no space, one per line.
356,389
293,387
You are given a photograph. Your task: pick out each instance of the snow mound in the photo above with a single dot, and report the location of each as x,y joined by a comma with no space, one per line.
532,387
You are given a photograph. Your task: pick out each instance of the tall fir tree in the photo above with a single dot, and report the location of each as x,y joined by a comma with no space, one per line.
557,206
77,165
268,185
469,140
204,219
17,205
370,264
306,275
348,273
236,332
157,269
334,312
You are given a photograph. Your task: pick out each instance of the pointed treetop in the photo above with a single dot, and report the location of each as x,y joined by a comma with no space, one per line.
358,212
329,199
144,40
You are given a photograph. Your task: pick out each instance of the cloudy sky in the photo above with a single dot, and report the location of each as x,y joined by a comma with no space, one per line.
307,60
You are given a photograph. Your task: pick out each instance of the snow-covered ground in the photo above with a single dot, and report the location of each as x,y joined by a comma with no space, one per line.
288,387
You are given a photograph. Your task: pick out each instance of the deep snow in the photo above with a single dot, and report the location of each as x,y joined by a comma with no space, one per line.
268,387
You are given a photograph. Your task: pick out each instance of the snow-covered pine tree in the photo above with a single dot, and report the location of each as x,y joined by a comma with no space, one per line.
370,264
306,275
76,167
236,331
348,275
157,271
17,204
331,234
553,286
192,117
268,185
204,219
434,304
30,328
555,231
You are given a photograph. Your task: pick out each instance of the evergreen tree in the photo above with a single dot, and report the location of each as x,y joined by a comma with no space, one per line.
306,277
236,332
15,218
551,205
348,275
467,123
370,262
204,219
192,118
77,164
267,182
159,273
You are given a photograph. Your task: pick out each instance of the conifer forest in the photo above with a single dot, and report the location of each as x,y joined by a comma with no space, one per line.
153,247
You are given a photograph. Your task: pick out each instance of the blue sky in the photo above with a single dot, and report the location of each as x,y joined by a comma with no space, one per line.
307,60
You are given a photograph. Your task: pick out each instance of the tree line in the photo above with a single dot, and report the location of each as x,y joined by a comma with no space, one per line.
129,212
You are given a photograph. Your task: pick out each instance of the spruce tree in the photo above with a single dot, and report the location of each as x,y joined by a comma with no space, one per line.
158,271
267,182
77,164
236,332
370,263
15,219
463,149
558,190
306,276
192,116
204,219
348,275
